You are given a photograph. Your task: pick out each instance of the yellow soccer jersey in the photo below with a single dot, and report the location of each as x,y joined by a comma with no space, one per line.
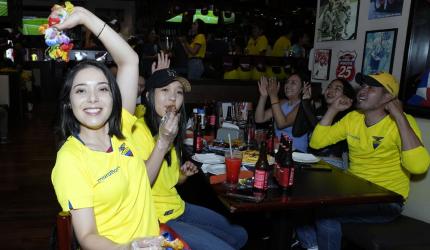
282,45
140,111
114,184
255,47
375,152
169,205
199,39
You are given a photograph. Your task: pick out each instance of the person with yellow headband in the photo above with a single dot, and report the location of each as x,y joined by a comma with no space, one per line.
385,148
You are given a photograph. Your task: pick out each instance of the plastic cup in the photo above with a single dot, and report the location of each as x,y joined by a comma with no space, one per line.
232,164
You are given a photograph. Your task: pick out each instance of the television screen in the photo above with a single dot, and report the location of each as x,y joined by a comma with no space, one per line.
210,18
3,8
30,25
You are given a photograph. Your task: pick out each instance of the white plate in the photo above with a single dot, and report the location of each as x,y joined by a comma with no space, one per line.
305,158
208,158
215,169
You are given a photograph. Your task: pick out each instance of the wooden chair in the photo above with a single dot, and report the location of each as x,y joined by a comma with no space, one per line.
66,239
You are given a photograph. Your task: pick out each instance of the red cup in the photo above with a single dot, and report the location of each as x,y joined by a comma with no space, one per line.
233,163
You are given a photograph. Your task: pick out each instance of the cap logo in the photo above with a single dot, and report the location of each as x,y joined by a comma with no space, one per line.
171,73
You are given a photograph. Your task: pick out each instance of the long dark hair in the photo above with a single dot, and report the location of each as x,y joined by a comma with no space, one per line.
153,120
201,27
67,123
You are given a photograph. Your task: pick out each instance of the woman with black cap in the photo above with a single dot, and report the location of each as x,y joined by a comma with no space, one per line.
159,136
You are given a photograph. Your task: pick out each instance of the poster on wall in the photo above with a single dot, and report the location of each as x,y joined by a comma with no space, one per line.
378,53
346,65
337,20
385,8
321,67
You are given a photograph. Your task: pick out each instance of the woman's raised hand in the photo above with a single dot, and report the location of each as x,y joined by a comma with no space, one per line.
163,62
342,103
262,86
74,19
273,87
307,91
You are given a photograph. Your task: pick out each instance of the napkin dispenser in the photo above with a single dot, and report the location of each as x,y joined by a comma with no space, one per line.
222,134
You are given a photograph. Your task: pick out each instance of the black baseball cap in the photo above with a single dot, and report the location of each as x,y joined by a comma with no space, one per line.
163,77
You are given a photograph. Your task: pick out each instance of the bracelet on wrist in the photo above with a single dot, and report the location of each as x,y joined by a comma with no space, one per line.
273,103
103,28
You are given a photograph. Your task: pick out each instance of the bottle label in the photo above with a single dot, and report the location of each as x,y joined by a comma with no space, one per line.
291,177
260,179
283,177
212,119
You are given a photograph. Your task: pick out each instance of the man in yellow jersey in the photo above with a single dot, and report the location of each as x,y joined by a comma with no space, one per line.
384,148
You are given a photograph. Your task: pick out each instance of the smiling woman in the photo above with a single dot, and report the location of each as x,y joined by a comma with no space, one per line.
98,176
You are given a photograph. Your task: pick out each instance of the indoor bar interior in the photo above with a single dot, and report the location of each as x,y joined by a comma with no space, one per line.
215,124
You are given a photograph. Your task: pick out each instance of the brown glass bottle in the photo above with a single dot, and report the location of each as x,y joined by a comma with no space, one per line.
197,136
261,175
286,179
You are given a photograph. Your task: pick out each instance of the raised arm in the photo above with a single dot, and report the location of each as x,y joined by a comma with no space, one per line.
281,120
262,115
123,55
412,147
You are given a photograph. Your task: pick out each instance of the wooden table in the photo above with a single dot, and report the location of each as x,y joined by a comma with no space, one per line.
313,188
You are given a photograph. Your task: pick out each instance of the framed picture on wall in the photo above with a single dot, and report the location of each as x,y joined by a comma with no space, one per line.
415,83
321,67
385,8
378,52
337,20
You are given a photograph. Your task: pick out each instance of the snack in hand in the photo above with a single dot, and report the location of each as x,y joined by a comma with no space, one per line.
174,244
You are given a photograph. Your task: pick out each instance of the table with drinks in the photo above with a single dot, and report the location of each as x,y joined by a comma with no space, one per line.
283,184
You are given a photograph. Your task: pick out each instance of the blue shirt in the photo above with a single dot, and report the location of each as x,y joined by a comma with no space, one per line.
299,143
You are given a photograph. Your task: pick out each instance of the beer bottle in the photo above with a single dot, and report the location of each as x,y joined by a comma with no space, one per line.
211,120
286,175
229,118
270,141
261,174
250,130
197,135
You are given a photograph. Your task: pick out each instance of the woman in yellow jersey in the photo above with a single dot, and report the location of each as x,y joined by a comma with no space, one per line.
196,51
98,175
200,227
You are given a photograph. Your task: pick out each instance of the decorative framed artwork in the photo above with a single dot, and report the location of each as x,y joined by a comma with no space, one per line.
385,8
321,67
415,82
337,20
378,52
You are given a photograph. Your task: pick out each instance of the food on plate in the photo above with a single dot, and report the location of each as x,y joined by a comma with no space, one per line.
250,156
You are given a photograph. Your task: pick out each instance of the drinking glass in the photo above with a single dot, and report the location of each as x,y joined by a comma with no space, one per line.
233,161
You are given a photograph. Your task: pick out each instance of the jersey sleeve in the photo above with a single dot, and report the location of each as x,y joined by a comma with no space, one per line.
416,160
328,135
72,184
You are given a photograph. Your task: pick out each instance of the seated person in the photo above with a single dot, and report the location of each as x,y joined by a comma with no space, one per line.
257,43
98,175
308,117
281,108
385,147
159,135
